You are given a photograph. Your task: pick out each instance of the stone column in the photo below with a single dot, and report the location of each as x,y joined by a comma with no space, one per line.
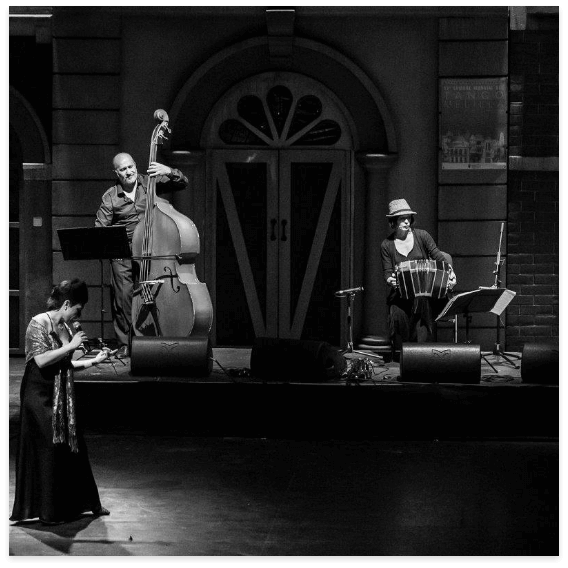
377,167
187,202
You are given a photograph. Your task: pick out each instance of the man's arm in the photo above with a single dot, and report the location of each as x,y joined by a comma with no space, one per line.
178,178
104,213
169,179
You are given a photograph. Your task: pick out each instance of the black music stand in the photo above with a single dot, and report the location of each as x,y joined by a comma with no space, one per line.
482,300
91,243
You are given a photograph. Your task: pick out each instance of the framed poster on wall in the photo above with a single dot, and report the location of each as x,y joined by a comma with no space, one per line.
473,124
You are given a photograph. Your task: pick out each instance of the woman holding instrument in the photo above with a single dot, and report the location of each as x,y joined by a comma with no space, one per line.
409,319
54,481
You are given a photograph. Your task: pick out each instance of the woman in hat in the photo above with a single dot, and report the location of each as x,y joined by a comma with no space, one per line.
409,319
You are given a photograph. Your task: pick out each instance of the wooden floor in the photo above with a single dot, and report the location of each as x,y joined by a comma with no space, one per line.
378,493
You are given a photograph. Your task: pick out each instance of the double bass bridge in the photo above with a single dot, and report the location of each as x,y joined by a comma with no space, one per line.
149,290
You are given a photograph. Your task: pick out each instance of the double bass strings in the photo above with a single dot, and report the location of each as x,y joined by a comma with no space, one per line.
149,219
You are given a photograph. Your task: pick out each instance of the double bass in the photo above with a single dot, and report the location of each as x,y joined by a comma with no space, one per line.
172,313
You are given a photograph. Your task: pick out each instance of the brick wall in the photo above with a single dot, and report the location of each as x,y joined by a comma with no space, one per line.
532,260
533,237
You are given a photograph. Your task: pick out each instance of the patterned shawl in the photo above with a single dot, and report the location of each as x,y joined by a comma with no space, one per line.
63,422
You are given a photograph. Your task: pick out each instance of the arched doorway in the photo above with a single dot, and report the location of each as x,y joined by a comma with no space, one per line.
373,151
30,257
279,163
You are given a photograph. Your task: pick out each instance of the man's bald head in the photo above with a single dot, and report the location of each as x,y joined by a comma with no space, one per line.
125,170
120,158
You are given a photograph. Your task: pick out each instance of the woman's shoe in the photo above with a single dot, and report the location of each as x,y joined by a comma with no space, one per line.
51,522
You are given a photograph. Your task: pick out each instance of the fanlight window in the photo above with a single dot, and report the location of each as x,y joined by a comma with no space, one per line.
279,118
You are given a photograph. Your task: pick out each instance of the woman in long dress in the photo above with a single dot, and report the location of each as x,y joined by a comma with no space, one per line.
54,481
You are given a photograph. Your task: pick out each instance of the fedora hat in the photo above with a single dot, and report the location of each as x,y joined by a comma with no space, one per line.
399,207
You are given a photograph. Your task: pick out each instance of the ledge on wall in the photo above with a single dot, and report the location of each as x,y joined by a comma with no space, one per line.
536,164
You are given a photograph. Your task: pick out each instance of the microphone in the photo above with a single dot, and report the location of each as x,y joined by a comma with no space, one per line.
347,291
84,347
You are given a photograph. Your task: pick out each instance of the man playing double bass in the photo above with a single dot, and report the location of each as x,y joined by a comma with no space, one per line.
125,204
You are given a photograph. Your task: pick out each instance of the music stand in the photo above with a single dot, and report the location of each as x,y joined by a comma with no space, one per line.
91,243
482,300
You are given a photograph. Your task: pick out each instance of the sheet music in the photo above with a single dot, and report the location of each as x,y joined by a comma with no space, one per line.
452,301
503,301
490,299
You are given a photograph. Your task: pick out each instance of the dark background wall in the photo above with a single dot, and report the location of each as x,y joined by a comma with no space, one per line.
103,72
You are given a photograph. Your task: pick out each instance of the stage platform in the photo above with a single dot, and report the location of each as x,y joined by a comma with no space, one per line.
229,465
232,365
231,402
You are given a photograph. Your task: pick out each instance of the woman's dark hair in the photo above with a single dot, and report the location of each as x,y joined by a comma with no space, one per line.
73,290
393,221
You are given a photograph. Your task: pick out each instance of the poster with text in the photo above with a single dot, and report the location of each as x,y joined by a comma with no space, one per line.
473,123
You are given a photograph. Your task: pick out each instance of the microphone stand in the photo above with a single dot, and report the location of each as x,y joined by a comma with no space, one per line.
350,295
110,357
102,348
497,284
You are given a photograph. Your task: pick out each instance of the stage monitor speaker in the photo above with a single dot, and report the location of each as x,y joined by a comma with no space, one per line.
440,363
540,363
295,360
171,356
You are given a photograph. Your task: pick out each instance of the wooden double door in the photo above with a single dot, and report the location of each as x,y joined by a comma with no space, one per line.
281,241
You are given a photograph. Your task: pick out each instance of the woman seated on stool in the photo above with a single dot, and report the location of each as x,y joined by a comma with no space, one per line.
409,319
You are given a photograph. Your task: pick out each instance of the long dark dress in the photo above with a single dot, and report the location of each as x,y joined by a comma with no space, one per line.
52,482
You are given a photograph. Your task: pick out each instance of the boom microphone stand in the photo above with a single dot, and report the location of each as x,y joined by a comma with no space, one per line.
349,293
497,284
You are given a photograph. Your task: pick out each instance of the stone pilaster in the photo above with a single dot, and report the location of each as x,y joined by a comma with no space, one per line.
377,167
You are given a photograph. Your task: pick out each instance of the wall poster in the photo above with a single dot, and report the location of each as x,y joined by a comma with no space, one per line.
473,123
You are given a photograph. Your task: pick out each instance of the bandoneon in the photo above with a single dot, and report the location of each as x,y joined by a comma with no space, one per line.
423,278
